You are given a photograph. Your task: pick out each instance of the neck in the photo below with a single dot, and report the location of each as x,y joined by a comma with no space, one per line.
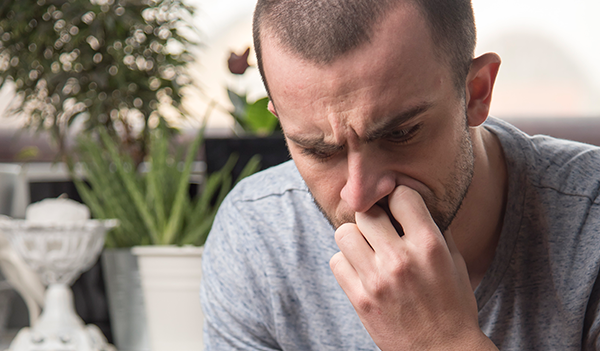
477,226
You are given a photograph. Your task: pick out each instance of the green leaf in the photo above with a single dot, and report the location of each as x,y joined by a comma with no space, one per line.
106,196
218,184
116,190
156,177
132,187
174,222
240,106
250,168
259,119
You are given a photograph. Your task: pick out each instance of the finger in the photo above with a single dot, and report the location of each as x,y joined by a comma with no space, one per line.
354,246
410,211
344,273
395,223
378,230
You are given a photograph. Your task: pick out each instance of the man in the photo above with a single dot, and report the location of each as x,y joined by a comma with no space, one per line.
406,220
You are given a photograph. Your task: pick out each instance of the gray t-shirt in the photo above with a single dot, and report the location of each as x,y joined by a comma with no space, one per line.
267,283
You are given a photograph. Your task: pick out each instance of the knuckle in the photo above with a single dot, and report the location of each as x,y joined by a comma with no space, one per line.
433,246
364,303
398,267
379,287
344,232
395,271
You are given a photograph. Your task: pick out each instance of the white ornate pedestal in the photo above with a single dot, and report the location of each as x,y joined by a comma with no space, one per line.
59,253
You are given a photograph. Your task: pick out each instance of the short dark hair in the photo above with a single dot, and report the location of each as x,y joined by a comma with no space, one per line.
322,30
452,28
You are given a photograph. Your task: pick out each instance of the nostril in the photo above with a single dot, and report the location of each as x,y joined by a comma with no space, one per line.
384,202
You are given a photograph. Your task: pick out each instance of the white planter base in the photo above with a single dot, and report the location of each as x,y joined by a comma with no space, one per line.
125,300
171,284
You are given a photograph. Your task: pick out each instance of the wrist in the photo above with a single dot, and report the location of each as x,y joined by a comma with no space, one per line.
476,341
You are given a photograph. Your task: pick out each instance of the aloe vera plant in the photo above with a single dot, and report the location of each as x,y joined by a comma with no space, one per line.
154,207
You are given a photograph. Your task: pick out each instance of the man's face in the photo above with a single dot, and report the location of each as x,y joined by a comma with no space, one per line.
384,115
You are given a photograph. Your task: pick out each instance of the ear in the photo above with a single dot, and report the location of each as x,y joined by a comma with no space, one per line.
480,83
271,108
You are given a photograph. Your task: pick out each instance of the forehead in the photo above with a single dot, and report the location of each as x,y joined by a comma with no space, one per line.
396,69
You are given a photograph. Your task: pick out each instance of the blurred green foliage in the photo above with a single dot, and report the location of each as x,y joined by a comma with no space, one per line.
110,63
253,117
153,205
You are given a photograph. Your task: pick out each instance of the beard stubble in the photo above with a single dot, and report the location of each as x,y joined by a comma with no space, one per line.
443,210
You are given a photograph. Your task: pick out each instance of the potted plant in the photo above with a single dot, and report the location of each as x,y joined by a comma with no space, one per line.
164,225
115,65
256,130
97,63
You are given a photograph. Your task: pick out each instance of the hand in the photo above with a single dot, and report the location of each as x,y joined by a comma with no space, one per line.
410,292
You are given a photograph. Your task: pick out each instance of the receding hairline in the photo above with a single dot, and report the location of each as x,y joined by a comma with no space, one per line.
266,29
444,49
341,41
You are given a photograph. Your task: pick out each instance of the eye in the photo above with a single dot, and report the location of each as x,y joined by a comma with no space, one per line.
321,152
401,136
317,154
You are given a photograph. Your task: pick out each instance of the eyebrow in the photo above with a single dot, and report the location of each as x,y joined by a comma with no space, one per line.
378,131
315,143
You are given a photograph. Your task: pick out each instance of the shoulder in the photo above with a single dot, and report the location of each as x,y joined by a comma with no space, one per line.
270,219
268,204
566,166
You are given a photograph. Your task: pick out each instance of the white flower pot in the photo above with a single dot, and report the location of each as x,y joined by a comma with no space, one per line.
171,284
125,300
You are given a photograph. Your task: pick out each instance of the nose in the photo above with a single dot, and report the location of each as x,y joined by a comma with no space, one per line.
368,181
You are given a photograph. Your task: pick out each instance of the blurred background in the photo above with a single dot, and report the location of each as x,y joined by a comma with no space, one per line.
549,83
549,50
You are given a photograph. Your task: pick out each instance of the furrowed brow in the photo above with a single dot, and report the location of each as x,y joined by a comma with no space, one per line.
382,129
314,143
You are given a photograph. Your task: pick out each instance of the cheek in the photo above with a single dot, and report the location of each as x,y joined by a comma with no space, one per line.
325,180
448,154
426,164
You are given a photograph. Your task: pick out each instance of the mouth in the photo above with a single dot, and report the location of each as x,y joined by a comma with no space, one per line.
384,204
